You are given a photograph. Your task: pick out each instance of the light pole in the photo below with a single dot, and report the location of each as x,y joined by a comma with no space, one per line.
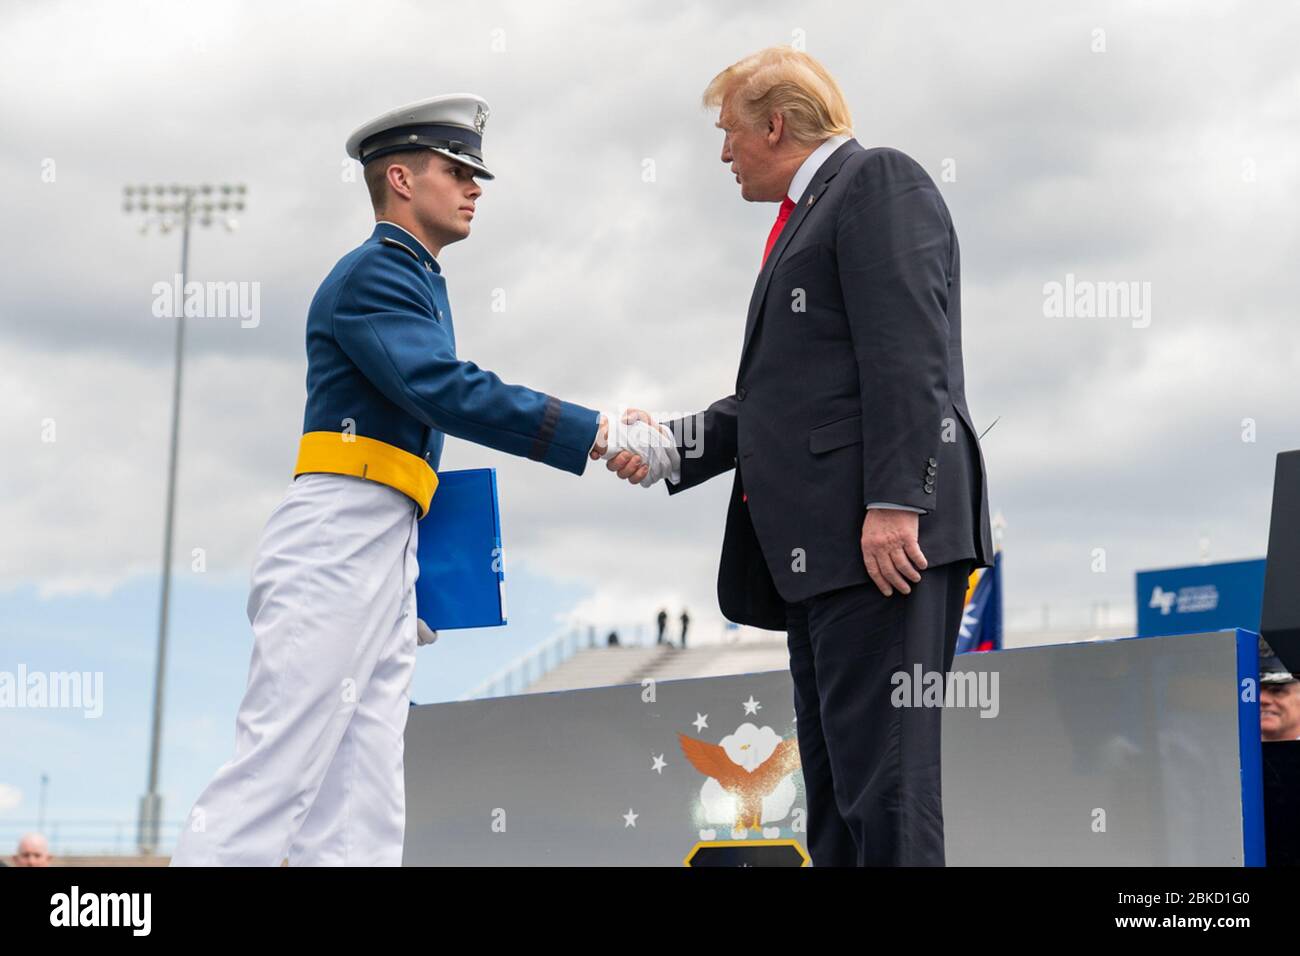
168,207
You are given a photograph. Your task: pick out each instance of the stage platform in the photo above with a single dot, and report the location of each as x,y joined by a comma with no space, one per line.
1141,751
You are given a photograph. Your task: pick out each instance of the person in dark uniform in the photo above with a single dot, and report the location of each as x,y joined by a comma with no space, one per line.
1279,697
686,621
662,620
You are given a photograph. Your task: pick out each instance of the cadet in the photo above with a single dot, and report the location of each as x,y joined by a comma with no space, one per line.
317,773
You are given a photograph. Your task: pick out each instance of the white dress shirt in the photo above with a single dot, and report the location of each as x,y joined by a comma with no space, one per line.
805,173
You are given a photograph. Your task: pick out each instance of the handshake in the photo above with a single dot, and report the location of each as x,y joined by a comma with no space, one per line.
637,448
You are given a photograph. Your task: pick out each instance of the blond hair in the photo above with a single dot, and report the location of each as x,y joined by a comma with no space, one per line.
783,80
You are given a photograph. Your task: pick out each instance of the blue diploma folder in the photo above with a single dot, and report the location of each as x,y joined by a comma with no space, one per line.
462,577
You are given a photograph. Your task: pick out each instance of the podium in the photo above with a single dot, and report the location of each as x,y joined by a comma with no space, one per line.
1133,752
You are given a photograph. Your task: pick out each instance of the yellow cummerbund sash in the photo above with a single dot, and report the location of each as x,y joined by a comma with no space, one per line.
340,454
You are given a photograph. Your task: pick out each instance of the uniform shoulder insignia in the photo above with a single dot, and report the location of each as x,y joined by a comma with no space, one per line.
389,241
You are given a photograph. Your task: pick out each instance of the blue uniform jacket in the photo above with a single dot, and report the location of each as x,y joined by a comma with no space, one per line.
384,383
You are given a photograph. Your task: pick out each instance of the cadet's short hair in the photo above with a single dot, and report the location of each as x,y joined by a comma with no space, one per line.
783,80
376,172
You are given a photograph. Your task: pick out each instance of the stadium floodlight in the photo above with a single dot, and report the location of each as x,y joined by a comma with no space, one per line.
182,208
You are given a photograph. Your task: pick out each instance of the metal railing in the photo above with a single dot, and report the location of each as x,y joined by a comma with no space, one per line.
531,665
1068,615
87,837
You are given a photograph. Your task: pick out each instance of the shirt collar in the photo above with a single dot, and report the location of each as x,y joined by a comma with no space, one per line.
394,231
804,175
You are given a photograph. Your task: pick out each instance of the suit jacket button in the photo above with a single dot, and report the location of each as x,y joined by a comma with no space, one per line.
740,394
929,489
930,471
931,462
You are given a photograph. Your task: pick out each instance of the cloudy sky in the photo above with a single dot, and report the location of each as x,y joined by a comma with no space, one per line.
1153,144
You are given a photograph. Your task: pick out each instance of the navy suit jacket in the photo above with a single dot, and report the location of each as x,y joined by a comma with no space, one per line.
850,391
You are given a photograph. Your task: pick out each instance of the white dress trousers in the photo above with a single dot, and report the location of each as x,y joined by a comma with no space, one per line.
317,775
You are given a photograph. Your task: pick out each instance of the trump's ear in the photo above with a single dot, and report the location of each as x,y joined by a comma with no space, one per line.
775,127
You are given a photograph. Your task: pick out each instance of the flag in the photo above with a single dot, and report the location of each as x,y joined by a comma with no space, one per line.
981,619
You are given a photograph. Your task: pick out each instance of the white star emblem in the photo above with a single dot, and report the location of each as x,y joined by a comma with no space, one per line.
968,620
701,721
629,818
751,706
659,764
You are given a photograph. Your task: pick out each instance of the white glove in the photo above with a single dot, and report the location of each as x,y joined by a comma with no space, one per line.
423,635
656,448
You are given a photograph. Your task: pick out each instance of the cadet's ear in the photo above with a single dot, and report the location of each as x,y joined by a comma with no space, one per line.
399,179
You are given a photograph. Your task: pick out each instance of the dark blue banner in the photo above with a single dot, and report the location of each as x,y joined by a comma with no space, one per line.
1201,597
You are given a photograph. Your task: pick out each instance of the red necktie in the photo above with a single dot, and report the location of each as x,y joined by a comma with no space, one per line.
787,207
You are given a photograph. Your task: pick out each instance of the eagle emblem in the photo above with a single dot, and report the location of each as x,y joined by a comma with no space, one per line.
480,119
749,781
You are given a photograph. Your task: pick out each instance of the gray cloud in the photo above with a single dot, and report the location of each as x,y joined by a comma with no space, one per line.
1123,165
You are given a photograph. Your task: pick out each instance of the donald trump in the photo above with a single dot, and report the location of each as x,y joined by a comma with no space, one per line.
858,507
